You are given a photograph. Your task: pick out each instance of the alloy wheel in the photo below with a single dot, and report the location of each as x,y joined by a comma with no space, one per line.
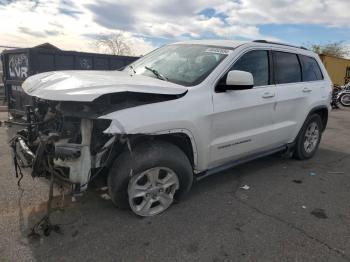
312,135
152,191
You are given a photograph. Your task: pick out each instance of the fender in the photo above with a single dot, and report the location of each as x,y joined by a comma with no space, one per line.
184,131
169,117
190,136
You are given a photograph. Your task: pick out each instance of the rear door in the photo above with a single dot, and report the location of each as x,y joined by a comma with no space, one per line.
242,120
295,90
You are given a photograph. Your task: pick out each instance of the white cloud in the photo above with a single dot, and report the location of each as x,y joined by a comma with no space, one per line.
253,12
70,24
24,24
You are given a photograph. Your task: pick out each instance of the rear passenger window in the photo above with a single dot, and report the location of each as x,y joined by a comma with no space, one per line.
256,63
287,68
311,69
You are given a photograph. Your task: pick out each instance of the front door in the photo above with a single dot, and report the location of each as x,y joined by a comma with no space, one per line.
243,119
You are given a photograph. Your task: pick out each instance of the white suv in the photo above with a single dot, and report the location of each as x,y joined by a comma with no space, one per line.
182,112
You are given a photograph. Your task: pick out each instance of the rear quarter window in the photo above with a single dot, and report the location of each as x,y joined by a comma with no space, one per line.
310,69
286,67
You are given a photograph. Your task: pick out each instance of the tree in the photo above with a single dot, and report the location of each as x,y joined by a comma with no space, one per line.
115,44
337,49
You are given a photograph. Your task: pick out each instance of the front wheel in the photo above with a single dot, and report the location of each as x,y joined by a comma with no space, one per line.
344,99
149,178
309,138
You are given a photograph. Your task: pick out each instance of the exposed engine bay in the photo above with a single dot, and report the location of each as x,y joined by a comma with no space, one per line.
67,139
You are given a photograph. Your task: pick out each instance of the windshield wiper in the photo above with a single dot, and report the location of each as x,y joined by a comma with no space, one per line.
156,73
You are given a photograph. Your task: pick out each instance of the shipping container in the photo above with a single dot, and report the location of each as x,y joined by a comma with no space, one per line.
18,64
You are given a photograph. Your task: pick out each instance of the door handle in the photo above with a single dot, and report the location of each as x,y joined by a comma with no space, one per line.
268,95
307,90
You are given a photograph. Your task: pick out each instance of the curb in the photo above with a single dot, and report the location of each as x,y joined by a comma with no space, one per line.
3,108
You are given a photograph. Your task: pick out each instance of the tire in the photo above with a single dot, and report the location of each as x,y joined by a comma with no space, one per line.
145,159
304,149
344,100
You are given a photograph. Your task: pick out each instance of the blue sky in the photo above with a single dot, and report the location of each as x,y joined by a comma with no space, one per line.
145,25
304,34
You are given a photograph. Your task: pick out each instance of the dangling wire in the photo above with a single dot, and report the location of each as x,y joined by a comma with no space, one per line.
45,224
18,170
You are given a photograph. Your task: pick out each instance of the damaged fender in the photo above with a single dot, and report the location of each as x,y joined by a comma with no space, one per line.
167,117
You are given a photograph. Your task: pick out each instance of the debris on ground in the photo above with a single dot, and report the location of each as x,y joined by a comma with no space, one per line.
75,233
303,207
106,196
312,174
105,188
44,225
297,181
243,197
245,187
319,213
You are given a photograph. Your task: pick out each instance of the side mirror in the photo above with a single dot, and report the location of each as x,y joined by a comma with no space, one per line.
236,80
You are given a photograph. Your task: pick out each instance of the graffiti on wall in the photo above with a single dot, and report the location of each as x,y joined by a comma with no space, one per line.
85,63
18,66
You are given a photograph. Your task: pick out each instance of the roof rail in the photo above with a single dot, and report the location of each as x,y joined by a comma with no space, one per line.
277,43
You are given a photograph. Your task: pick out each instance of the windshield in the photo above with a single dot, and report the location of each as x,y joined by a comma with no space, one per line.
182,64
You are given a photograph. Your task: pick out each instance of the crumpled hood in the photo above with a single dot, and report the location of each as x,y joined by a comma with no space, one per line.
88,85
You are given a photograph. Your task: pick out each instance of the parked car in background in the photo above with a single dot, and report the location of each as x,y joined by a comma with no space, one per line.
183,112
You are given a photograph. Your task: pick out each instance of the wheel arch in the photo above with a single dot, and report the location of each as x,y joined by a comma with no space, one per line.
322,111
181,138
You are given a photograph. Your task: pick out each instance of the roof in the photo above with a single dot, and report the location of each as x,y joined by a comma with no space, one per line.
223,43
234,44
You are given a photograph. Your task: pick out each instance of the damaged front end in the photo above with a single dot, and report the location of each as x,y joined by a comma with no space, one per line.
64,139
67,139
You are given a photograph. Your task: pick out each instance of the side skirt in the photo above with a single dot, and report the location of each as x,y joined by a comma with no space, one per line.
240,161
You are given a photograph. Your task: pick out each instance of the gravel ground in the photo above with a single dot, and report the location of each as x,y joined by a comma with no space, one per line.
293,211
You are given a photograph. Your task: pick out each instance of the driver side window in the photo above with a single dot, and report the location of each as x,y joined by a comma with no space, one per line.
257,63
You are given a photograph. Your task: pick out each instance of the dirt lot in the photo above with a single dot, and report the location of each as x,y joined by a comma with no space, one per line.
293,211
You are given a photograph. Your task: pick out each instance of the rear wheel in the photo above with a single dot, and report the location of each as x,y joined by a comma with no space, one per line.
309,138
150,178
